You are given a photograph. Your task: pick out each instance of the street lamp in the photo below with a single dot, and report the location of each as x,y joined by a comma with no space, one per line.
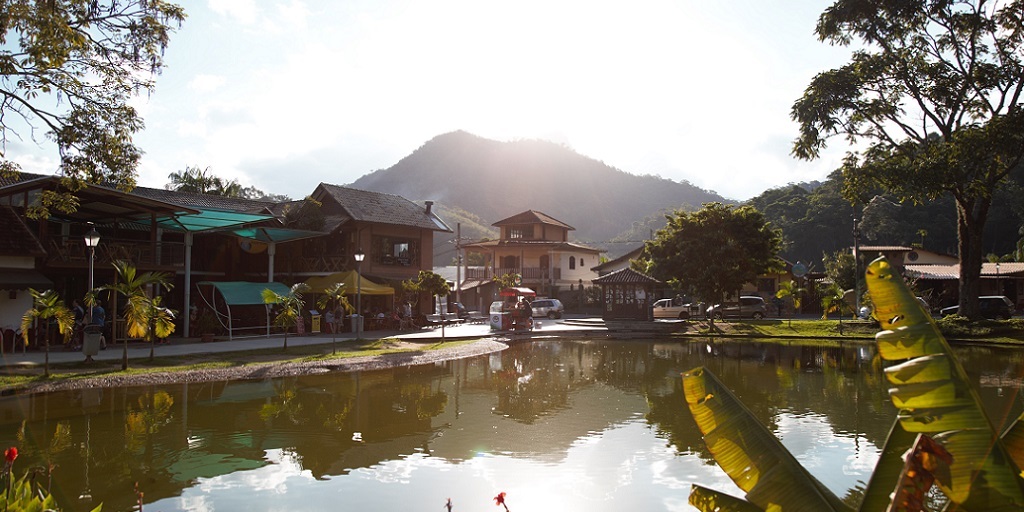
92,239
359,256
856,267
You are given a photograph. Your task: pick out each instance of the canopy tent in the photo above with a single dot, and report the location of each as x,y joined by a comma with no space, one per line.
237,293
517,291
352,283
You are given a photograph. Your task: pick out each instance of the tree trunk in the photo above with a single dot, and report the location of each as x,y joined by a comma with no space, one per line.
971,217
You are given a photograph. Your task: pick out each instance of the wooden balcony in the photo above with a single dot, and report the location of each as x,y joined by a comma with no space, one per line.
72,252
530,274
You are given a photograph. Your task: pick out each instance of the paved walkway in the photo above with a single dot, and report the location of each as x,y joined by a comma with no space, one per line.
180,346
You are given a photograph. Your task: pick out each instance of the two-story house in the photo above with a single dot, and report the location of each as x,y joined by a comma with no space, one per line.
536,247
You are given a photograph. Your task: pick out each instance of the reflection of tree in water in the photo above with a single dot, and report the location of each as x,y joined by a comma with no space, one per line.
535,381
153,412
840,383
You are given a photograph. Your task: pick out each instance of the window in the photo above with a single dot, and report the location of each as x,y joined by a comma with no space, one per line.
395,251
572,262
581,262
520,232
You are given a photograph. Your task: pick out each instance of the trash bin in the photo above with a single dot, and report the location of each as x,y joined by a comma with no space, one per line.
91,340
357,322
314,321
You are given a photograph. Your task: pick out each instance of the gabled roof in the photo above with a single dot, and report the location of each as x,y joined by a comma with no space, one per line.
533,217
16,239
550,244
625,258
366,206
626,276
205,201
96,203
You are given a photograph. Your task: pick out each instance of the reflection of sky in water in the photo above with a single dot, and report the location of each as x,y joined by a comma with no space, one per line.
597,474
831,457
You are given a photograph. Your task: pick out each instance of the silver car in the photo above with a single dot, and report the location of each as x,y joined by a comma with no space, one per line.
750,306
551,308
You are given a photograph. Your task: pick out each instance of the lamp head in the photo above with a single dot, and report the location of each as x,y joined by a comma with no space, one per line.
359,255
92,238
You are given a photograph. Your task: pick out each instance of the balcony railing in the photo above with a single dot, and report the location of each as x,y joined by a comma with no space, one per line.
530,274
71,251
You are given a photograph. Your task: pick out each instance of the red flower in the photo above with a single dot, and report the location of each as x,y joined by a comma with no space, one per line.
500,499
10,454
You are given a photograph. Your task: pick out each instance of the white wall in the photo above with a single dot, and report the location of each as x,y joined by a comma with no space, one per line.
11,310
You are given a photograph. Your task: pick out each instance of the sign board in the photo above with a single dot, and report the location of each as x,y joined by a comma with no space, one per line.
799,269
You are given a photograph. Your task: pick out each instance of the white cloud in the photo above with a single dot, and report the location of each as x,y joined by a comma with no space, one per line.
206,83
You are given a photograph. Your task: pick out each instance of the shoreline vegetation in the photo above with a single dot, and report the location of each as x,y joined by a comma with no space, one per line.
371,354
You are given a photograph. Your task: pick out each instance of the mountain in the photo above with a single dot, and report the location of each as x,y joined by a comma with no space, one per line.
485,181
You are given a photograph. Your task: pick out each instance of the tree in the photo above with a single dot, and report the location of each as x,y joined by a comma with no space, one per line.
713,251
69,71
290,307
841,268
47,305
934,98
334,297
793,291
143,316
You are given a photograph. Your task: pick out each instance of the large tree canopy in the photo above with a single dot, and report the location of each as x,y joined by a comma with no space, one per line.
713,251
933,97
68,69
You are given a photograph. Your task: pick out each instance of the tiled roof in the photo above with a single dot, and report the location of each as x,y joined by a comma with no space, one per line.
631,255
952,272
16,239
205,201
377,207
533,217
626,276
885,248
552,244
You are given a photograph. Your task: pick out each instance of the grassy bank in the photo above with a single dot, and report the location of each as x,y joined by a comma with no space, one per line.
954,328
27,376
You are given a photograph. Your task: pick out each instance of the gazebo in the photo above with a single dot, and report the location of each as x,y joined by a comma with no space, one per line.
627,295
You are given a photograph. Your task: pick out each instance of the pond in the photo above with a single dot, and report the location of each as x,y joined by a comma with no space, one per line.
557,425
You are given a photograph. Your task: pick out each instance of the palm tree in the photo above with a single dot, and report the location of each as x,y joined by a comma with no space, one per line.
791,289
143,315
291,306
45,306
332,297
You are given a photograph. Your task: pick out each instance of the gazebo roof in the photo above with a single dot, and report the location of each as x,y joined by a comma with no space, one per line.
626,276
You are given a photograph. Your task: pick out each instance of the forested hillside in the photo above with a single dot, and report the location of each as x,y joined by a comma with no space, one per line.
471,177
820,221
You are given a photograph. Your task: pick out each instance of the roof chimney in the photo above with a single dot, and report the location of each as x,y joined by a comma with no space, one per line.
429,204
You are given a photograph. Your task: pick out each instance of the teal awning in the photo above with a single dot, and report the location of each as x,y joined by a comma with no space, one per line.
207,220
244,293
275,235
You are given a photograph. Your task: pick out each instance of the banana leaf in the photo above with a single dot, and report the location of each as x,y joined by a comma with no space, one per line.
710,500
923,461
748,452
878,495
936,398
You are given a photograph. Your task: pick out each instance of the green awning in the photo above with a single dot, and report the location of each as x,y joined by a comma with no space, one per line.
207,220
275,235
244,293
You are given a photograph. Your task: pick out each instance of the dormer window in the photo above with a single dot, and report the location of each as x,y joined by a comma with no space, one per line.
520,232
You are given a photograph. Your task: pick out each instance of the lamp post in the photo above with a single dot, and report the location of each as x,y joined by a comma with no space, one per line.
92,239
856,267
359,255
999,290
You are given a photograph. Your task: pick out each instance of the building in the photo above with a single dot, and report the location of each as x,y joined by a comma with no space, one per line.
196,237
536,248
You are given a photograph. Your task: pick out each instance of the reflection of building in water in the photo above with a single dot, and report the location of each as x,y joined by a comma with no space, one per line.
533,401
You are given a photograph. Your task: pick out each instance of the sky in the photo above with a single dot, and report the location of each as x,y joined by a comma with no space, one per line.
283,95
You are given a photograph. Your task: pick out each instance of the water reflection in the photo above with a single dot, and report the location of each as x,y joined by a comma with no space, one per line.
573,425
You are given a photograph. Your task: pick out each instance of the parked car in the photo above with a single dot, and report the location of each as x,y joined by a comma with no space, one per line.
750,306
551,308
991,306
673,308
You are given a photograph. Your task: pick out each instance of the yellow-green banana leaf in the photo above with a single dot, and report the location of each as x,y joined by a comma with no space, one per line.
749,453
935,398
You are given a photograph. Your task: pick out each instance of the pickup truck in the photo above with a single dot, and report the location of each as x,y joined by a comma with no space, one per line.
669,308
